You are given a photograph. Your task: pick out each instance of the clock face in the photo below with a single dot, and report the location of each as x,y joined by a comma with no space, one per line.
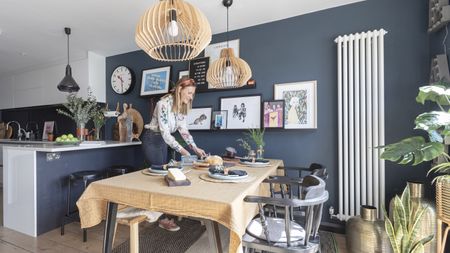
121,80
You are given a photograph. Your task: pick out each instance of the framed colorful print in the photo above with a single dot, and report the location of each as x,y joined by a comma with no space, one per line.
219,120
182,74
243,112
48,128
155,81
300,104
213,50
199,118
273,114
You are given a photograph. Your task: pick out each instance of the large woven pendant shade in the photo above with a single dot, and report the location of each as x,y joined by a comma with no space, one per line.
228,71
173,30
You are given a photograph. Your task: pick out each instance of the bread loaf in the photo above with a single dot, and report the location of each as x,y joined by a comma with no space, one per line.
214,160
176,175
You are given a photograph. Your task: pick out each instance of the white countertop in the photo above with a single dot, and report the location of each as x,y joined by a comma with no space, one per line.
45,146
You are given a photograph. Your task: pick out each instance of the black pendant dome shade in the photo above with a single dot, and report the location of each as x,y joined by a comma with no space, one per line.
68,84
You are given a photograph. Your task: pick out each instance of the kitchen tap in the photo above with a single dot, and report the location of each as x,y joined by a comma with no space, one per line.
19,131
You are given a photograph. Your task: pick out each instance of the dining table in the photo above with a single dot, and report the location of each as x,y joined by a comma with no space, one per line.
215,202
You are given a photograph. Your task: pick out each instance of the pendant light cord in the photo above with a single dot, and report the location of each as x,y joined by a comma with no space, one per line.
68,49
227,27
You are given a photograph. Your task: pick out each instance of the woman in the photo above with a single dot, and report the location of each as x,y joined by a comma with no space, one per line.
169,116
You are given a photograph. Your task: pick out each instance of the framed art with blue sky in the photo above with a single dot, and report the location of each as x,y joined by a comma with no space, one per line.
155,81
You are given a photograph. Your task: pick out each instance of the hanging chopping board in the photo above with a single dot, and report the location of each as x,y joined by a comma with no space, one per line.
2,130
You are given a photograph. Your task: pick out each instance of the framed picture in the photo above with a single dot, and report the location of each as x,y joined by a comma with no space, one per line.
199,118
48,128
243,112
300,104
213,50
155,81
219,120
273,114
182,74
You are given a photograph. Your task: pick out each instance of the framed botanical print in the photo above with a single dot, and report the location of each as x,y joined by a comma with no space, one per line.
199,118
300,104
219,120
273,114
244,112
155,81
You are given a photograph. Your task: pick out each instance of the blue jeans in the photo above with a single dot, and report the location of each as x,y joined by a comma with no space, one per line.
154,147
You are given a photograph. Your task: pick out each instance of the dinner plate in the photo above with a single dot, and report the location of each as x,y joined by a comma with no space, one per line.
255,164
162,172
226,177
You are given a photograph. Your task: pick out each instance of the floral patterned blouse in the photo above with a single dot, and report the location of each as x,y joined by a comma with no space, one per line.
166,122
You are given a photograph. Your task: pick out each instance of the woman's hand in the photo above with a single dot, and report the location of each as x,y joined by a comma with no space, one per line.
200,152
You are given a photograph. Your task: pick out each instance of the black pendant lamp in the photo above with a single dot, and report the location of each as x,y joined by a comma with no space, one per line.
68,84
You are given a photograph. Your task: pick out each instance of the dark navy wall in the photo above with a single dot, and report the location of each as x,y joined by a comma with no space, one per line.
300,49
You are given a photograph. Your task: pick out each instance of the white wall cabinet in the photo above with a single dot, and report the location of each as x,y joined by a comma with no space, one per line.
38,87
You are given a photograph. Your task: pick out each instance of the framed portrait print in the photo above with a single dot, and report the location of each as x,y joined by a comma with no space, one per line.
243,112
48,128
182,74
219,120
300,104
273,114
155,81
199,118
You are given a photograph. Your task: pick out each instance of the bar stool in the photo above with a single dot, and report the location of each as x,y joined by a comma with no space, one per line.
86,177
118,170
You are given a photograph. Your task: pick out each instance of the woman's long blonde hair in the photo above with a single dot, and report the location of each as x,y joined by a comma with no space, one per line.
178,106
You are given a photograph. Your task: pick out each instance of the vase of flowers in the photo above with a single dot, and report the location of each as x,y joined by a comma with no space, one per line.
80,111
99,119
257,136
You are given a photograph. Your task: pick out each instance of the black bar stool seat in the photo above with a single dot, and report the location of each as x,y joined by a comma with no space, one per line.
118,170
86,176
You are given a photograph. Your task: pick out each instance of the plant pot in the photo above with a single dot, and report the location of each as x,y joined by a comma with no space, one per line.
366,233
81,132
50,137
443,210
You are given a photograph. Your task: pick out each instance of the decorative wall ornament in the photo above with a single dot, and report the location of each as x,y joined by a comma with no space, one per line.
300,104
173,30
438,14
228,71
199,118
244,112
439,69
155,81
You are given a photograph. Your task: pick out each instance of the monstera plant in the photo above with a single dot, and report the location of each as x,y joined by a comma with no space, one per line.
417,149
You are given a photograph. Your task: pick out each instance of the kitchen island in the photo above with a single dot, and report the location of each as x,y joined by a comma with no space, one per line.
35,178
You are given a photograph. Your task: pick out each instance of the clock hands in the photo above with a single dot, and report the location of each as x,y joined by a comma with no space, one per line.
121,83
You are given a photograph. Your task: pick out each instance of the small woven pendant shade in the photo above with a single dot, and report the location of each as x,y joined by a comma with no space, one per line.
173,30
228,71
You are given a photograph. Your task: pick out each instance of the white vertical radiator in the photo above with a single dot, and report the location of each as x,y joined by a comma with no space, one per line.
360,61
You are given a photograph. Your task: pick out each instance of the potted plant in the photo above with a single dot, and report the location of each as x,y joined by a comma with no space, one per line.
80,110
257,136
403,228
417,149
99,119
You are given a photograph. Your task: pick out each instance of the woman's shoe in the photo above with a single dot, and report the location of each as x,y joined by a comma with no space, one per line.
168,225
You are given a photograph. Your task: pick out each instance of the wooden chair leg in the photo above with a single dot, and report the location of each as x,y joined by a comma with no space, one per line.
444,238
439,235
134,237
114,233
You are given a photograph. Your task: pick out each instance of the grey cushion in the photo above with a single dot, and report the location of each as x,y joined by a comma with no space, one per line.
277,232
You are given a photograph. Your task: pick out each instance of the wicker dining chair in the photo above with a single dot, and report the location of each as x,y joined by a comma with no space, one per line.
284,235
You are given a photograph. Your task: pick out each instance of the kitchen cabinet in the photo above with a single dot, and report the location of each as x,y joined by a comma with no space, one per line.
38,87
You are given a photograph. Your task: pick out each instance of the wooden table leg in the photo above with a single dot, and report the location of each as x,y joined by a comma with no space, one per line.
212,229
111,214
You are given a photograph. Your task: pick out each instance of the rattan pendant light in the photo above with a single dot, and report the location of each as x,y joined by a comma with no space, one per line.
173,30
228,71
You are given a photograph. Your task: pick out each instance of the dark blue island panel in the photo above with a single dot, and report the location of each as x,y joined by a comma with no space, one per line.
52,177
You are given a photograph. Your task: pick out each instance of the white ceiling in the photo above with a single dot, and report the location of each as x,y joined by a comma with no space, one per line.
32,35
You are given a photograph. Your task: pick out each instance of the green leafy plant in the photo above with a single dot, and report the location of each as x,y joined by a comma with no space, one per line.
244,144
404,226
257,136
415,150
79,109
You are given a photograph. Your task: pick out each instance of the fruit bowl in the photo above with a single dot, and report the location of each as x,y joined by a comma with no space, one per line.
67,142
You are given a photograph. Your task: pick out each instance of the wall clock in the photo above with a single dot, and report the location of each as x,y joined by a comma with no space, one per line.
122,80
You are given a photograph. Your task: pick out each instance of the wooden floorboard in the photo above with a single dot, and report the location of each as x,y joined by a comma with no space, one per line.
52,242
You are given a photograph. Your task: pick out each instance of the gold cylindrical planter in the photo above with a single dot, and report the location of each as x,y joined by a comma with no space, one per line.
443,212
366,234
428,222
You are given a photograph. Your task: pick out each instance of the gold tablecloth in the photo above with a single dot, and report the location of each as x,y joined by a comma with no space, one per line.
214,201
